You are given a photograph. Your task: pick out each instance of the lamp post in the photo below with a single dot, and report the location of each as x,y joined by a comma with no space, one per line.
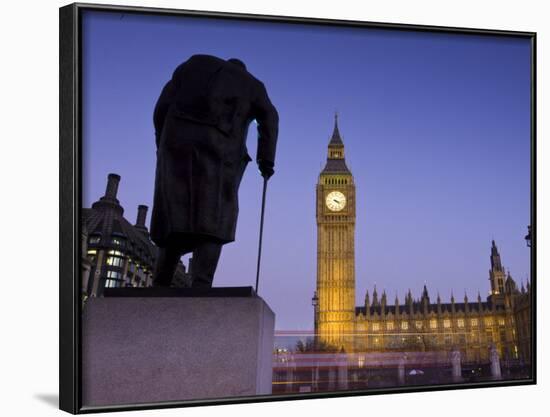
315,304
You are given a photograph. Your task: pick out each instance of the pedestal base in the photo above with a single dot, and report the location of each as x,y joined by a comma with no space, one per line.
152,349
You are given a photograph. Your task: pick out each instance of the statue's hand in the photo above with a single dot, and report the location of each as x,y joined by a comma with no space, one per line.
266,168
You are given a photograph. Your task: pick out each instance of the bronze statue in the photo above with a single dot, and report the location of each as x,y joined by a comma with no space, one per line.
201,122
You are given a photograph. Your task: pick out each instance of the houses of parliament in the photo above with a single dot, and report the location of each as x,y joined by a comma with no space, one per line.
472,326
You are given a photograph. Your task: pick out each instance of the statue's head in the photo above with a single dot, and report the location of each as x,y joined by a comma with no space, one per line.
237,62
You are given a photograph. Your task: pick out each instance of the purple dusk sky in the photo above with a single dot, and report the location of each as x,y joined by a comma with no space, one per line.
436,129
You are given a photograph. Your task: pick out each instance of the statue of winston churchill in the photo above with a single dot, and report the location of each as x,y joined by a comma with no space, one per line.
201,122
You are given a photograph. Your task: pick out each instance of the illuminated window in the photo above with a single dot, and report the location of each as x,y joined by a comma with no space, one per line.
111,283
92,252
375,327
113,279
515,351
94,240
376,341
501,321
389,325
418,324
116,258
433,324
114,274
473,322
474,337
404,325
446,323
489,321
460,323
117,241
114,261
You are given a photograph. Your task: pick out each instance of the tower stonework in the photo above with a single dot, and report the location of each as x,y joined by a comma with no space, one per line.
496,274
335,316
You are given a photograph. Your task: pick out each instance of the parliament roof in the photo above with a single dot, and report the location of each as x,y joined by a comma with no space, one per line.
419,308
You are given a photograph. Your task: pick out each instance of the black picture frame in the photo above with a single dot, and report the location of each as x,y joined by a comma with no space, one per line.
71,199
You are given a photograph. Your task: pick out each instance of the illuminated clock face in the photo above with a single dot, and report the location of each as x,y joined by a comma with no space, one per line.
336,201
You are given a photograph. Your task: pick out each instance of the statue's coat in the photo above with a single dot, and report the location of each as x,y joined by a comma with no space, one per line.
201,121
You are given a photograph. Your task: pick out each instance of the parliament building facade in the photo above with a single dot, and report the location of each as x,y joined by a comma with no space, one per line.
502,321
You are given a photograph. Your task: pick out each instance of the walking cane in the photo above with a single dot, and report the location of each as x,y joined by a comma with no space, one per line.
261,233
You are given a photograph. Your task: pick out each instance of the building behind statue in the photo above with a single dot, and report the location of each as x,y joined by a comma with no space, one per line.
417,323
117,253
386,343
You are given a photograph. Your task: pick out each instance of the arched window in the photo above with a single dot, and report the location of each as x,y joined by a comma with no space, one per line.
94,239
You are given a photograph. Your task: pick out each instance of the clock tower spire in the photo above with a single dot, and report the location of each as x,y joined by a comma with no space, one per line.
336,162
335,315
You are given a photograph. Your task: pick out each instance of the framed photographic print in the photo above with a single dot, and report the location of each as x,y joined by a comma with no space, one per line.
262,208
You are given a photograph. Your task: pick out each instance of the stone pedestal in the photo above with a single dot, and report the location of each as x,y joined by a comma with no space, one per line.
343,375
456,361
495,363
401,371
331,378
289,379
152,349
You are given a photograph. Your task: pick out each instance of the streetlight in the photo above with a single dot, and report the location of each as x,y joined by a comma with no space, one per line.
315,300
315,304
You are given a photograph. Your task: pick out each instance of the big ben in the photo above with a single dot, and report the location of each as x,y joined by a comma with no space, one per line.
335,310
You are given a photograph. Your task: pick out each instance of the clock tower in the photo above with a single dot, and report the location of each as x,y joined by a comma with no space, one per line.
335,297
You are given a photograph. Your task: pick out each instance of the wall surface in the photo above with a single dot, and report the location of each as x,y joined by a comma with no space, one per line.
29,210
